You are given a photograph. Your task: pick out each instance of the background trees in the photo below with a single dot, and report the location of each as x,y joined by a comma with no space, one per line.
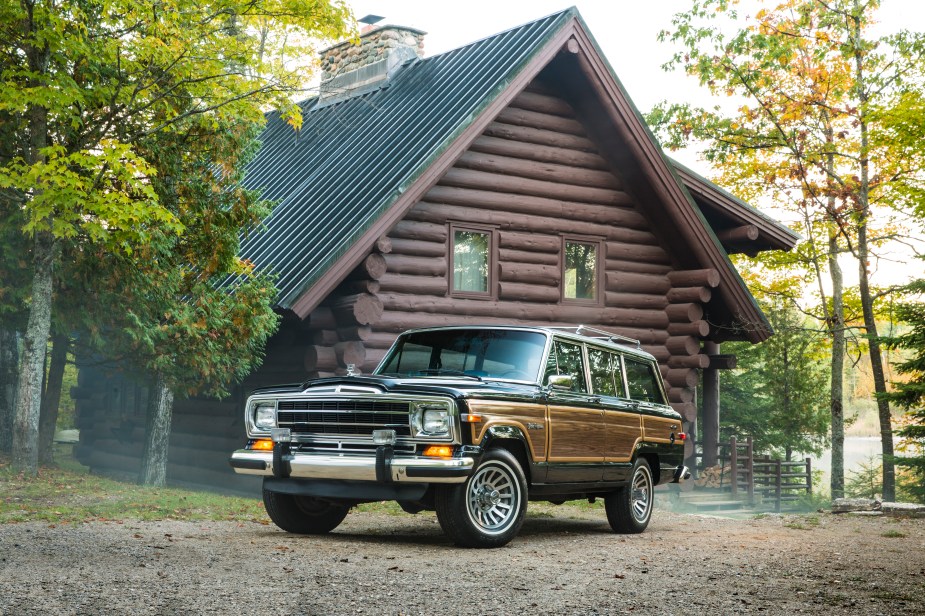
90,93
818,100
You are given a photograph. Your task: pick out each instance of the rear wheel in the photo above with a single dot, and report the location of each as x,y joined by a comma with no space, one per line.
304,515
629,509
487,510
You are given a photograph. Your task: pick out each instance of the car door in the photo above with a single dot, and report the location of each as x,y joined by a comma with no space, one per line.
658,422
576,435
622,424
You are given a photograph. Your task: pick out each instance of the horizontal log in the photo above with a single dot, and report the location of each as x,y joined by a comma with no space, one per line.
689,294
412,228
517,292
322,318
698,360
701,329
637,267
356,332
539,153
683,345
483,180
552,172
417,285
544,275
427,212
507,255
694,278
684,313
383,244
688,411
379,340
417,266
635,300
545,121
350,352
418,247
361,309
320,357
539,136
531,242
543,103
680,394
629,282
352,287
639,252
620,214
324,337
372,268
745,233
682,377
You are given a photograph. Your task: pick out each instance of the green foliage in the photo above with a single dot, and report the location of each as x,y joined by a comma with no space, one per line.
778,392
910,393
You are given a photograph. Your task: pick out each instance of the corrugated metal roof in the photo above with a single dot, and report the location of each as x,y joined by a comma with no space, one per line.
353,159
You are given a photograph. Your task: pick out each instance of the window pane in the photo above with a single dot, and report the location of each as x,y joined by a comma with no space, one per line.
642,382
568,361
605,366
470,261
580,270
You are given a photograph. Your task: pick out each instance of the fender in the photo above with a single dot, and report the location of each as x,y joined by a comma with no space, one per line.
509,434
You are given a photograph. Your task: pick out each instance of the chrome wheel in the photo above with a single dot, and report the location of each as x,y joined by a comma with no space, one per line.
493,497
641,494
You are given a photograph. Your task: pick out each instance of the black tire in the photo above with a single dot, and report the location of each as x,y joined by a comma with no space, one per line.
629,509
303,515
487,510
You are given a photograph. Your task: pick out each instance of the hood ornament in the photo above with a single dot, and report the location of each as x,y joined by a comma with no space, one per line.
352,370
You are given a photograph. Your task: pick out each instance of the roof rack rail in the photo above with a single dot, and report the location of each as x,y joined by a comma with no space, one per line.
609,336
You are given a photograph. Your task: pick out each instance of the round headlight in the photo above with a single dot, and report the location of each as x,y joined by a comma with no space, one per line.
265,415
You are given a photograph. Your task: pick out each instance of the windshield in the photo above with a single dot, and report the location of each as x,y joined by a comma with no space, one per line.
476,353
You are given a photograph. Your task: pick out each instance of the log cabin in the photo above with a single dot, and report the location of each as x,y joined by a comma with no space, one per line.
508,181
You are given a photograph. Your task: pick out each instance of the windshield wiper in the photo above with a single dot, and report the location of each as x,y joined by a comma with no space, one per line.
447,372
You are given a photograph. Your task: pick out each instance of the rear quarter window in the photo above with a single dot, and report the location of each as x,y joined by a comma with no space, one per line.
642,381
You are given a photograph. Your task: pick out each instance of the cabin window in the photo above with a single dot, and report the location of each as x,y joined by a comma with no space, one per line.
471,261
581,267
643,382
606,373
566,358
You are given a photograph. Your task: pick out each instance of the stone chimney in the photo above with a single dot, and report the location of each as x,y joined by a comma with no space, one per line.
350,69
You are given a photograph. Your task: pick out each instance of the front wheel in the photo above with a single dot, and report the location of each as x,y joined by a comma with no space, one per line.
487,510
629,509
303,515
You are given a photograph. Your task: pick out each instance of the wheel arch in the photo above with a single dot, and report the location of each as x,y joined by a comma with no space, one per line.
513,440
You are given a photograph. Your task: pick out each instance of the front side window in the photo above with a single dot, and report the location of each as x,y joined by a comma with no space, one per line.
581,266
471,261
643,382
566,358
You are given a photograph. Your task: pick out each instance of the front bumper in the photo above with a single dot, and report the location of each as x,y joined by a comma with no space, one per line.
382,468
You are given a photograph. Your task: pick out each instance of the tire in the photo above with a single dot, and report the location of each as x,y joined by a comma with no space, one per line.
303,515
487,510
629,509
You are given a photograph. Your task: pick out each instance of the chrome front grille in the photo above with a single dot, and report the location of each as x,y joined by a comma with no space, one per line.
344,417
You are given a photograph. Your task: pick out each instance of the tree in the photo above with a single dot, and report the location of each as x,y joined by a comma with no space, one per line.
777,394
85,82
817,98
910,394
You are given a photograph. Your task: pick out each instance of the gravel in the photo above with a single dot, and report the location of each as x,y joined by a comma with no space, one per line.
565,561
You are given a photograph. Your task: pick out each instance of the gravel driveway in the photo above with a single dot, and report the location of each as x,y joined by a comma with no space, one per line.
565,563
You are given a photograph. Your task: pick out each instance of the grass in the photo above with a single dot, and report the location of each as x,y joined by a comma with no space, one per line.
67,493
893,534
806,522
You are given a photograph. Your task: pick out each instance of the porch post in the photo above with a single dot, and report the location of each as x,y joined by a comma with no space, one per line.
710,417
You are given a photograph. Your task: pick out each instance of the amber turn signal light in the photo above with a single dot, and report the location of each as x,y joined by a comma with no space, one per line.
439,451
472,418
263,444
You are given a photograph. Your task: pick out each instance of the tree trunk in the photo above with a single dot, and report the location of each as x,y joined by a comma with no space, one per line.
867,305
836,390
9,370
35,345
51,400
157,434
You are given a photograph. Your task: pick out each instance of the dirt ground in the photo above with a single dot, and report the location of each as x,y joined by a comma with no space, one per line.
565,561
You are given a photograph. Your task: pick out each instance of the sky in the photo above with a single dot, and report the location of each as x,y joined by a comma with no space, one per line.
627,33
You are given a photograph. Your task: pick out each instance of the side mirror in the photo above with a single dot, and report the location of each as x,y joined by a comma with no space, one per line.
562,382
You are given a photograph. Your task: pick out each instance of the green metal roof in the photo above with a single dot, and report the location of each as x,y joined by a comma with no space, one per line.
351,160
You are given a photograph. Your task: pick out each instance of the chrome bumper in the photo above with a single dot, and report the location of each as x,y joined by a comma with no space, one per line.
355,467
681,475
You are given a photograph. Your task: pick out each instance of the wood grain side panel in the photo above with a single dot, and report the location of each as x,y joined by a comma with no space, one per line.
659,429
529,418
623,432
576,434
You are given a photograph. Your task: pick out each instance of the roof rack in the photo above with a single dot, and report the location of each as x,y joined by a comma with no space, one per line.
600,333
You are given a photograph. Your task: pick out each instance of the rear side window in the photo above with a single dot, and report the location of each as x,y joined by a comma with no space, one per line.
606,374
566,358
642,381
